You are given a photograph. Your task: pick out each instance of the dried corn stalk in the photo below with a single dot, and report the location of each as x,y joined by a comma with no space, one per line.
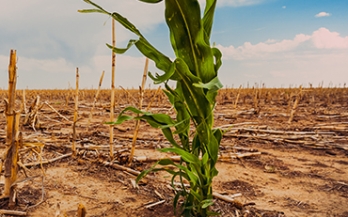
294,107
12,142
73,147
137,124
112,103
31,117
95,100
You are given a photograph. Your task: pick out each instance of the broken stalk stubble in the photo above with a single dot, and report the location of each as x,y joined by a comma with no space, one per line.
12,142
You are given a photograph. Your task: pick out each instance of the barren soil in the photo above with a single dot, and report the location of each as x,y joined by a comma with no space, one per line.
269,166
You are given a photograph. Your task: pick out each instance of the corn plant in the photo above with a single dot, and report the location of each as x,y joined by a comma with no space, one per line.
194,70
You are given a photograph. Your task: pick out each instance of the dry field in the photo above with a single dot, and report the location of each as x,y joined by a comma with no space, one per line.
269,166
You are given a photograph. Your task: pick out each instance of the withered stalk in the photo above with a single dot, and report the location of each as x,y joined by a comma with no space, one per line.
95,100
10,156
112,103
73,147
137,123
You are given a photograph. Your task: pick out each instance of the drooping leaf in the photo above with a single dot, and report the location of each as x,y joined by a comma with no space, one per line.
122,50
94,4
186,156
207,202
218,56
90,11
158,79
126,23
162,62
151,1
212,86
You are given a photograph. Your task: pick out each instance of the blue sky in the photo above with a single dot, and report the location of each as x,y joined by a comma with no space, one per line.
279,43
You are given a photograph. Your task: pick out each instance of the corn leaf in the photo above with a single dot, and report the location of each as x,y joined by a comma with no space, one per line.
186,156
151,1
184,22
207,202
208,17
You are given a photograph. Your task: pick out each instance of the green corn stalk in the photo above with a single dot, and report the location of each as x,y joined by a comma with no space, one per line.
195,71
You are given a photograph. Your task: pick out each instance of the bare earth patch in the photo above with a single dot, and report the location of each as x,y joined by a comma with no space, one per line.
287,170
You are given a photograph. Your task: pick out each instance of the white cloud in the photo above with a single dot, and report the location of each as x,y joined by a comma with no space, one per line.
324,39
321,56
320,39
284,7
323,14
283,70
248,50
